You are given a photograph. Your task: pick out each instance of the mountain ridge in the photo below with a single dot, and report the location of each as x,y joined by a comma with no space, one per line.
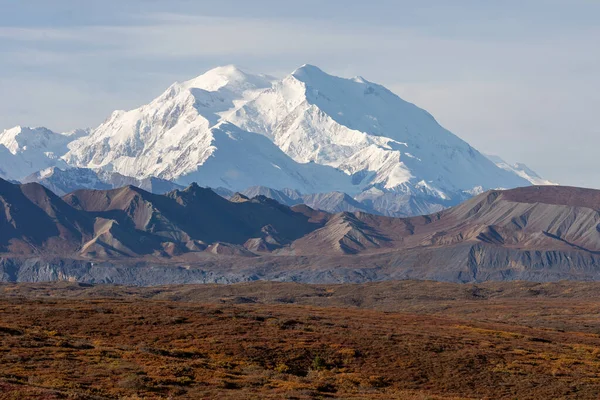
132,236
310,132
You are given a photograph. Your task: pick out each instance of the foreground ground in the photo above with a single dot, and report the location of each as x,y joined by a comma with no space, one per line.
393,340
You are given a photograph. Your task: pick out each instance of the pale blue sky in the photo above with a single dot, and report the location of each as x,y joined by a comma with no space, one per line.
520,79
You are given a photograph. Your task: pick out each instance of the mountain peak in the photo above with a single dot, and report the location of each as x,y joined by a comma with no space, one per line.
229,76
17,128
308,71
226,69
22,130
311,131
13,137
28,150
198,191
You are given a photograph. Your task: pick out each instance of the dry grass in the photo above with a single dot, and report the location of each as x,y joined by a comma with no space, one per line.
131,347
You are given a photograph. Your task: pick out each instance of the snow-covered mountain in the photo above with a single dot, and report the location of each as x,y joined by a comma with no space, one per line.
194,132
63,181
309,132
171,136
24,151
521,170
68,180
183,135
369,133
372,201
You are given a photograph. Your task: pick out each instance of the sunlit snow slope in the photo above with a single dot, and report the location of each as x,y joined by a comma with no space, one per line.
310,132
369,133
24,151
357,127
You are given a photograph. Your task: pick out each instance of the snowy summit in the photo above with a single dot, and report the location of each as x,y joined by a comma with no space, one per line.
310,131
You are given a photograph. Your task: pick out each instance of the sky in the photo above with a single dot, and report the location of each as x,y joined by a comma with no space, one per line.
518,79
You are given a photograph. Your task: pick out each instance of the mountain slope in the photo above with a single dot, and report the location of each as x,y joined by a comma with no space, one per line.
178,136
63,181
278,195
401,204
521,170
242,159
24,151
310,133
128,235
537,217
373,201
171,136
359,134
33,220
334,202
346,233
194,216
369,133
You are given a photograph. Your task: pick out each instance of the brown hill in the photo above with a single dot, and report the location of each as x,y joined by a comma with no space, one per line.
535,233
533,217
352,233
33,220
195,214
525,218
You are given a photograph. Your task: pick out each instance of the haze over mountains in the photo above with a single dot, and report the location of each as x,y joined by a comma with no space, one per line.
342,144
